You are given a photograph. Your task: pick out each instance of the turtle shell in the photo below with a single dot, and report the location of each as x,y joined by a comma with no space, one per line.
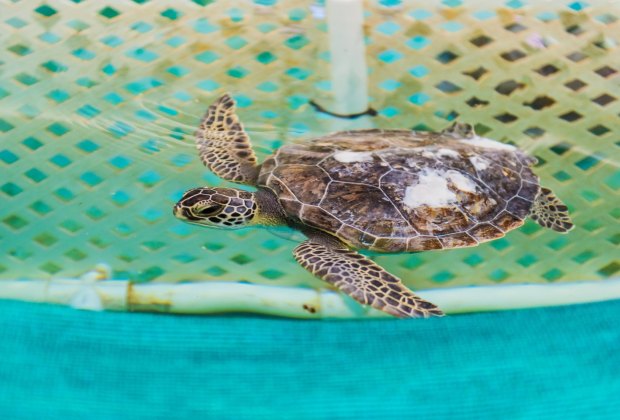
401,190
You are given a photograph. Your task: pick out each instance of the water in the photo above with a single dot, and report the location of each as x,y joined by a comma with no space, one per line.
98,104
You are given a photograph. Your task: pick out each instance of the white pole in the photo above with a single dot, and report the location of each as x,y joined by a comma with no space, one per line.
345,19
218,297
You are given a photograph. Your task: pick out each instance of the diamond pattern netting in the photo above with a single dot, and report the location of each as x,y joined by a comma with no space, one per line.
98,103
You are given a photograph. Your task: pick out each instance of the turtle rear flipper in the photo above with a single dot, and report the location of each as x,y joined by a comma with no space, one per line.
224,147
548,211
362,279
460,130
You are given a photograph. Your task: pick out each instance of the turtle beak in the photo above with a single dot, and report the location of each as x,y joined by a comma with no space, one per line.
178,212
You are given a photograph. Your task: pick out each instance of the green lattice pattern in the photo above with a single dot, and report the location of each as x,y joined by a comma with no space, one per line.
98,102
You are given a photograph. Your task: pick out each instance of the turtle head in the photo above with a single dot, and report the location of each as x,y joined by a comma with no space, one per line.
217,207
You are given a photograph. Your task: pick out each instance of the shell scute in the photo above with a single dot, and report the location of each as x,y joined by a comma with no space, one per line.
504,181
481,207
266,169
281,190
394,183
373,167
307,183
507,221
389,244
518,206
316,216
483,231
299,154
529,190
457,240
349,201
350,234
430,220
292,207
423,243
367,239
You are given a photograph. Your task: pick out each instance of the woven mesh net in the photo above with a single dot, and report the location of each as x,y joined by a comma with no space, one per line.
99,100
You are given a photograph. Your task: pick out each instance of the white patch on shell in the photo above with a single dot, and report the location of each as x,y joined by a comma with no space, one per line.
448,153
433,152
487,143
347,156
432,189
479,163
461,182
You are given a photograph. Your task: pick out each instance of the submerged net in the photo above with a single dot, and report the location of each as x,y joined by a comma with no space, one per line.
99,100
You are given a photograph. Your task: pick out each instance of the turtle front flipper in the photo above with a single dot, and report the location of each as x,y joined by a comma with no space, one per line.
548,211
224,147
362,279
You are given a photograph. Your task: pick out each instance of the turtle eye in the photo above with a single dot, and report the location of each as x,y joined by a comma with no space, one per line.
207,211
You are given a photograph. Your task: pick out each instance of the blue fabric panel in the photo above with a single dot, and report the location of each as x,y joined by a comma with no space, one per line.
57,362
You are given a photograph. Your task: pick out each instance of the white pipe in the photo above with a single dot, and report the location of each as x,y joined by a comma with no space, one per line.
345,19
218,297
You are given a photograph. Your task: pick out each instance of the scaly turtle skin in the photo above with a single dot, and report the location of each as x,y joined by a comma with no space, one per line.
381,190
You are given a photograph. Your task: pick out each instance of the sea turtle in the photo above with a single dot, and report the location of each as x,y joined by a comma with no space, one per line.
379,190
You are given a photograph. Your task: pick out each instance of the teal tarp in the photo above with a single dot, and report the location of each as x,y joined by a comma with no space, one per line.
56,362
